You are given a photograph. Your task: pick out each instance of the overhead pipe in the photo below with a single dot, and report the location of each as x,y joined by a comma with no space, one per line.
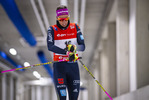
82,18
43,59
76,3
83,5
40,40
102,23
63,2
15,16
5,67
45,18
8,59
39,18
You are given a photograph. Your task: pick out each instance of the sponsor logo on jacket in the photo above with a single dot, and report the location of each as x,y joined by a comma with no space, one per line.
60,80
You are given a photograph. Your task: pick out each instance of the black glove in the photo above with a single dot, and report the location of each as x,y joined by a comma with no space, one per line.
72,56
71,48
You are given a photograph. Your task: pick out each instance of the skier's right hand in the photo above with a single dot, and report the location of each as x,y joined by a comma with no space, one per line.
71,48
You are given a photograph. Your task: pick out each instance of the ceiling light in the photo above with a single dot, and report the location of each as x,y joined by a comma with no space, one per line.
36,74
13,51
26,64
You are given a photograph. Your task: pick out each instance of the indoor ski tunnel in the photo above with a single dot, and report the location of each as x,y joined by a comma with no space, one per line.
74,49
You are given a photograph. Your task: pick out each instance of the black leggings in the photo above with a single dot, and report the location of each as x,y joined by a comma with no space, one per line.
66,75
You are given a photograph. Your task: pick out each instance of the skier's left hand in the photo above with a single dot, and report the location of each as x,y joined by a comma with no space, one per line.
72,56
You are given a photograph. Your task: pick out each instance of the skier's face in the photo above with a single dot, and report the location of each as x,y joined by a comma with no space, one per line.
63,20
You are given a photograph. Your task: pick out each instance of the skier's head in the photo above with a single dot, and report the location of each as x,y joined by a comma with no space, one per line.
62,15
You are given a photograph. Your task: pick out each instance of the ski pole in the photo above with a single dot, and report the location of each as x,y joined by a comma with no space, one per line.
27,67
64,60
94,78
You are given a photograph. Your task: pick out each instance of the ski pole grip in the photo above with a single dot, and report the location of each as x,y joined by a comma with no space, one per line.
80,58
